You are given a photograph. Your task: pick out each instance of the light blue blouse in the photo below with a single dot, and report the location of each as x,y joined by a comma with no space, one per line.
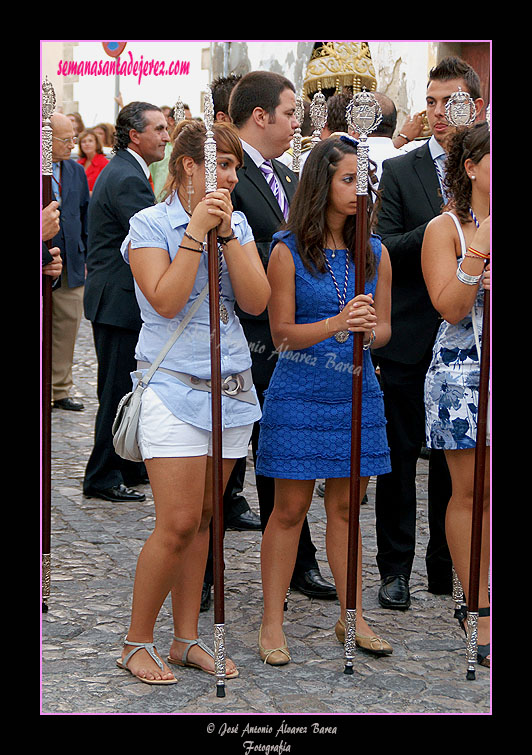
162,226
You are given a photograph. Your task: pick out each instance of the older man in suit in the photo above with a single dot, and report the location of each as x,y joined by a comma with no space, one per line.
262,107
413,193
71,192
120,191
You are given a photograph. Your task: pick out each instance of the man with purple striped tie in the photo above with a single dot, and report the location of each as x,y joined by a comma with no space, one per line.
262,107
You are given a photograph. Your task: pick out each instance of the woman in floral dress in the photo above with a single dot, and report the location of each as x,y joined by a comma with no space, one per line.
455,260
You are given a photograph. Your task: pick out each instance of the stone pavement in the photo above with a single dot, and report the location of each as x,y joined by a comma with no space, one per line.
95,545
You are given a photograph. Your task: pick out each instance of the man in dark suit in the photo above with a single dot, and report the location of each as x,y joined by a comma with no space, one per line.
71,191
411,196
262,107
120,191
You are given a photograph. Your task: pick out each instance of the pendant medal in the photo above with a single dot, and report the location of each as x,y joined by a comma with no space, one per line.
342,336
224,314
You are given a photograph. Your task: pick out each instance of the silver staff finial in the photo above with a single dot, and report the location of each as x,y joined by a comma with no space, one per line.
318,115
296,146
48,107
460,109
179,111
210,144
363,115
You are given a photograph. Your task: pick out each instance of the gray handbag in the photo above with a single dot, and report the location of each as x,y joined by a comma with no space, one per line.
126,421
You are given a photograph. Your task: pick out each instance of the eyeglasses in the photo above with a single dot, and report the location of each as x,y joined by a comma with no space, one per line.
73,139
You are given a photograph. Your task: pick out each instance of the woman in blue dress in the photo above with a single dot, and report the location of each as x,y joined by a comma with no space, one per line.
306,425
167,253
455,260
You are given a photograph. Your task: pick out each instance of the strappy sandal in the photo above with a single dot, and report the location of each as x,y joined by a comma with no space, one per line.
184,662
275,656
149,647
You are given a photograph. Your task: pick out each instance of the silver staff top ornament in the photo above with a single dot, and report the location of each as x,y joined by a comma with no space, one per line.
296,145
460,109
363,115
210,144
48,107
318,115
179,111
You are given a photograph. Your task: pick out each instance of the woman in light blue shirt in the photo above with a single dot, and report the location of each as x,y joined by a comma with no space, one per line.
166,250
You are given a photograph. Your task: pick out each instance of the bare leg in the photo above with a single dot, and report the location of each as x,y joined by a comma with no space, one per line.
186,590
279,551
178,491
458,528
337,535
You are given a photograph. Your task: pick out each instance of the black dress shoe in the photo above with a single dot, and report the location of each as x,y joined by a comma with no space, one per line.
247,520
394,592
118,494
205,597
68,403
311,583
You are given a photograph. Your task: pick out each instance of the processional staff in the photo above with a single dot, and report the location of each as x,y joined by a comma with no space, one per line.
363,115
48,107
296,143
217,311
460,111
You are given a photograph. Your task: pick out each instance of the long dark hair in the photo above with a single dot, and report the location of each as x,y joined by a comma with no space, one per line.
307,218
469,142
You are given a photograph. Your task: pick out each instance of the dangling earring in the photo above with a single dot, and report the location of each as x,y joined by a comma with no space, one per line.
190,190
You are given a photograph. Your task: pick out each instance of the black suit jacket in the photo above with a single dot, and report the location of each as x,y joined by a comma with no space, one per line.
72,236
254,198
120,191
411,197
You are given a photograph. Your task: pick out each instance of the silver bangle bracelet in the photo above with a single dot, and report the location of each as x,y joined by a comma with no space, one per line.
372,337
469,280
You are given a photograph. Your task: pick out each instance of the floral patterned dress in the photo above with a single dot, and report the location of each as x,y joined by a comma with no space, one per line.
452,380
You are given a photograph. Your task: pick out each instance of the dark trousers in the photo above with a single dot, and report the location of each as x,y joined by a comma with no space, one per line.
115,351
395,500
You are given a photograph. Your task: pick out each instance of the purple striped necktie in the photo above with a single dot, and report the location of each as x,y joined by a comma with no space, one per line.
273,183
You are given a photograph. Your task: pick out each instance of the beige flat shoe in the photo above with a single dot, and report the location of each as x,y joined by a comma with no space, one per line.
373,644
275,656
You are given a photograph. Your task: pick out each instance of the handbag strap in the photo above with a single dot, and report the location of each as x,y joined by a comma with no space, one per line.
173,338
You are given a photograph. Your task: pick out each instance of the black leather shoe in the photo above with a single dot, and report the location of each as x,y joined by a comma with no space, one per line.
205,597
68,403
394,592
118,494
247,520
311,583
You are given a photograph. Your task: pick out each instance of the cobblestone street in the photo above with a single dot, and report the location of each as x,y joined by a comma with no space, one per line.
95,545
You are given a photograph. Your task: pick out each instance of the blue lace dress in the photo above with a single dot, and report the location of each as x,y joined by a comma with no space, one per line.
452,380
306,424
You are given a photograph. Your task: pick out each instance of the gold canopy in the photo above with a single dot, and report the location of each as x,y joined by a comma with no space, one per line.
340,64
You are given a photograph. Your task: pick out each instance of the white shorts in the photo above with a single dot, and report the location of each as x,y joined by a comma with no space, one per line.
161,434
